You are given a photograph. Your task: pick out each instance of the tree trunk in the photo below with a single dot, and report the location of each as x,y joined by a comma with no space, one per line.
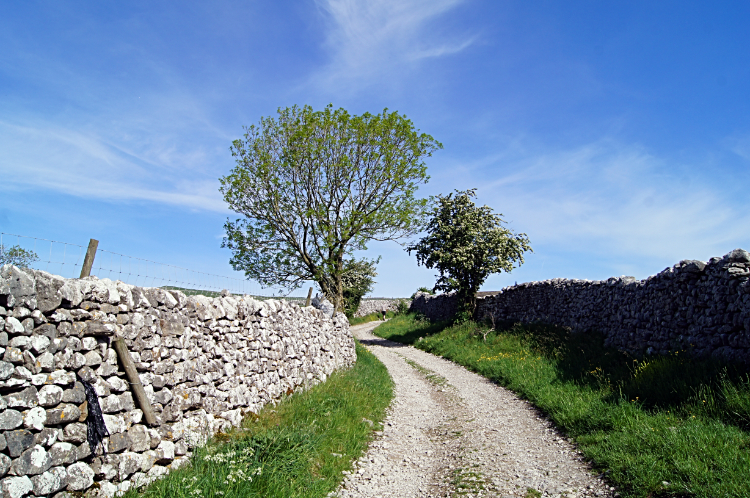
467,302
339,293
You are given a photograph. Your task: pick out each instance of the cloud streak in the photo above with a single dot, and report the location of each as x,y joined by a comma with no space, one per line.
369,40
613,201
83,165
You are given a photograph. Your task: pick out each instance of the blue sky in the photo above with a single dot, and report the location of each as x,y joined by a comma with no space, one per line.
615,134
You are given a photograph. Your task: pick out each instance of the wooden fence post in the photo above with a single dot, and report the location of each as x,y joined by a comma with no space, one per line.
88,261
135,382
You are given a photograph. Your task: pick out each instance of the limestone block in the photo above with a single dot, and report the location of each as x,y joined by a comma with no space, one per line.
106,370
6,370
35,419
119,442
50,482
63,414
47,437
165,453
155,438
180,462
10,419
74,433
149,390
76,361
157,472
5,463
164,396
148,459
107,490
180,448
101,387
140,440
31,462
115,423
39,344
21,342
62,453
133,416
29,362
126,295
16,487
130,463
13,355
105,466
46,361
111,404
88,343
50,395
61,378
80,477
126,401
23,399
82,451
75,395
71,292
117,384
74,344
39,379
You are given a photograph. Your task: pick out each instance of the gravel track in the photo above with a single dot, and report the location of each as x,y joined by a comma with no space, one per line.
450,432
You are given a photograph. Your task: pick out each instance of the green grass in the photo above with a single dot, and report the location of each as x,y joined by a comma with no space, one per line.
659,426
298,448
372,317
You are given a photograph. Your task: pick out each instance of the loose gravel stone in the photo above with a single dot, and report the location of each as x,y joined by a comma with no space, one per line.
450,431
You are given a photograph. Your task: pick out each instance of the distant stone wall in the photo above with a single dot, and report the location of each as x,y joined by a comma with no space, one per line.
368,306
204,364
437,307
702,308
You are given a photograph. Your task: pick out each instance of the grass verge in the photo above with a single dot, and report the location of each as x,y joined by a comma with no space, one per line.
658,426
298,448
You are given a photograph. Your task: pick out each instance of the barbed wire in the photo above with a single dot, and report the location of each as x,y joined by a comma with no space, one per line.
65,259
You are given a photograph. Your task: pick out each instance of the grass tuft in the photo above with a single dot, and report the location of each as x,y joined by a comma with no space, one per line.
661,426
298,448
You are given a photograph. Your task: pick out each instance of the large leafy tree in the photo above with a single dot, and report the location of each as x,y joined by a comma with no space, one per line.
466,244
313,186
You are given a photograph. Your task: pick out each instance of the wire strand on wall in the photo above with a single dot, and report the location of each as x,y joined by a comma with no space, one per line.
65,259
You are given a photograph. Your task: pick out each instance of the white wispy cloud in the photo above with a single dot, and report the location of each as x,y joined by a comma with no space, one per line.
367,39
740,145
85,165
613,201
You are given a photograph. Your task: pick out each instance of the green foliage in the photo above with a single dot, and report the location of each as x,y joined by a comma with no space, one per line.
298,448
358,279
466,244
422,289
647,422
315,186
17,256
402,307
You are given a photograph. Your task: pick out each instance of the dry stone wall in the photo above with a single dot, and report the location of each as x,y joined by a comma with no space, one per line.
367,306
694,306
203,362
